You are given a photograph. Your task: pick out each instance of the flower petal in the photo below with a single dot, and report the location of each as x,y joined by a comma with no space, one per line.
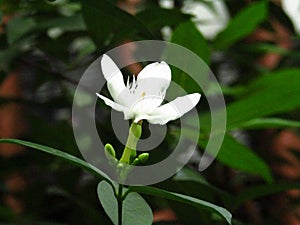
210,19
292,9
145,105
112,104
172,110
114,77
156,70
154,80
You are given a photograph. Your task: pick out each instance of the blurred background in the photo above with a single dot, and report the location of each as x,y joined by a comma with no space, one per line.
251,46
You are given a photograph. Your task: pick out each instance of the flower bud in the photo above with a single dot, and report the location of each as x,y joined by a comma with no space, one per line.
143,157
109,151
135,162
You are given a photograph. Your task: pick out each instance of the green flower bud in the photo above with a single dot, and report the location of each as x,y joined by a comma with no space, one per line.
143,157
135,162
109,151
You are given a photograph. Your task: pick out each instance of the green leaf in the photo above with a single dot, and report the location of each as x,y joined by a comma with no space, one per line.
70,23
1,16
184,199
189,175
187,35
17,27
151,17
263,123
21,26
270,48
240,157
104,20
267,48
106,195
237,156
277,92
69,158
135,210
186,174
242,24
263,190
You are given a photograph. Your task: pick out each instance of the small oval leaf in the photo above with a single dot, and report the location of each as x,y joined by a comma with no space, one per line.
108,200
136,210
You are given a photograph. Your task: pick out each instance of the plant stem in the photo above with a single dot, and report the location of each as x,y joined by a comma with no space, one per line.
130,148
120,204
134,135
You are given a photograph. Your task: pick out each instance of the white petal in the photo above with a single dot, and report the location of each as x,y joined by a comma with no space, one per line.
146,105
154,79
172,110
156,70
292,9
114,77
112,104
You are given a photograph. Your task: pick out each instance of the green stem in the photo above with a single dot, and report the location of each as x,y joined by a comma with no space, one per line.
120,204
126,155
134,135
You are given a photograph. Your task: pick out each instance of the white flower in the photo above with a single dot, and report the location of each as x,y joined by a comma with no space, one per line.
141,99
211,17
292,9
